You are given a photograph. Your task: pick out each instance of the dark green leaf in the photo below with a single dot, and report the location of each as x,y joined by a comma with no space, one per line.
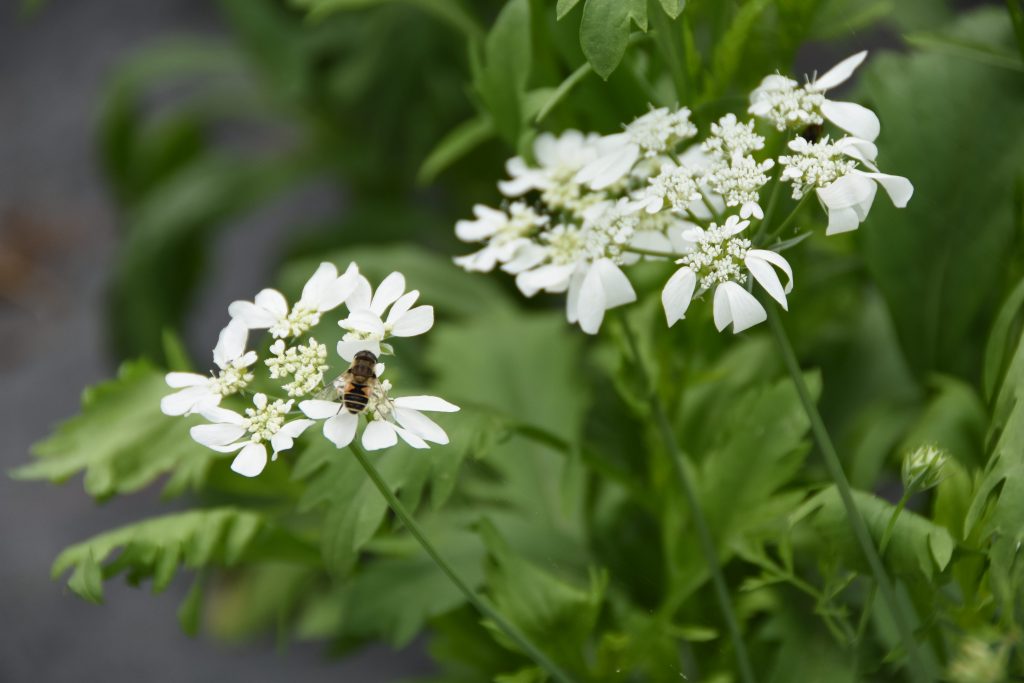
502,78
605,29
462,140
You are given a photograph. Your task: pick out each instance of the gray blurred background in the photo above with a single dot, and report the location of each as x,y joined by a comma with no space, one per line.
57,236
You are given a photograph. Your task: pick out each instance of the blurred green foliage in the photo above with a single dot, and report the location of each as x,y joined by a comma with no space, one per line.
556,497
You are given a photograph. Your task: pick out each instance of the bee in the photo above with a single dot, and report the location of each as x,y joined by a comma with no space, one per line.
813,132
354,386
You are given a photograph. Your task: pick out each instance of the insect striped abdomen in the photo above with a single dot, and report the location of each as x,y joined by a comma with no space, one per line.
356,397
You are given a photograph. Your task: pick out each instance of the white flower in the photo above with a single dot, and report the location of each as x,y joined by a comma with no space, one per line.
324,291
674,186
730,137
655,133
844,190
718,261
739,181
559,159
507,235
305,362
264,422
387,419
787,104
199,392
366,325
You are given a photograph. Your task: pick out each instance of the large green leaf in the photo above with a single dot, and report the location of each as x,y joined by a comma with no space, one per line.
121,440
605,29
939,261
502,77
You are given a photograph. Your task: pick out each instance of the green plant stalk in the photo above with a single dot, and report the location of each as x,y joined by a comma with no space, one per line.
707,543
882,545
920,669
482,605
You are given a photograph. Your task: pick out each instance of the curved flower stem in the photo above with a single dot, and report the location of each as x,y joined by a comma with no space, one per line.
707,543
787,221
920,669
481,604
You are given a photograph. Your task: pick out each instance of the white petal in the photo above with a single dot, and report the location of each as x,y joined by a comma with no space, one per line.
780,262
653,240
410,438
340,428
611,166
839,73
420,425
379,434
590,302
734,304
318,287
402,305
189,400
766,276
550,278
349,349
359,299
482,261
387,293
285,437
899,189
251,315
617,289
431,403
855,119
231,343
214,435
318,409
417,321
185,379
677,294
488,221
365,321
853,189
251,460
273,301
842,220
527,255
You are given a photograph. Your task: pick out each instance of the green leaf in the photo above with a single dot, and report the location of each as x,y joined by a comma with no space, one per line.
459,142
605,29
155,547
918,549
673,8
190,611
564,7
999,339
120,440
730,48
939,286
981,52
502,77
563,89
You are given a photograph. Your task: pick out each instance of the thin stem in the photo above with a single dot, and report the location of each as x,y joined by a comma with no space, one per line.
652,252
789,219
707,543
481,604
920,668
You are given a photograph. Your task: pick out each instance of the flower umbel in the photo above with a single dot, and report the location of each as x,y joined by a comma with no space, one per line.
199,392
305,362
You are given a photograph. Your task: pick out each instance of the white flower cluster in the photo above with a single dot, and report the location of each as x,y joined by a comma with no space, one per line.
586,205
373,317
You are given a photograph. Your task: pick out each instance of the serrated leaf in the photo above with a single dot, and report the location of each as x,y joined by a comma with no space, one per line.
121,440
918,548
191,608
605,29
156,547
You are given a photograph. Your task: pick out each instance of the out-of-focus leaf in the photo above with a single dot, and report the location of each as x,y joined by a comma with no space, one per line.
729,49
502,77
155,547
605,28
955,419
564,7
563,89
673,8
918,548
462,140
938,283
983,53
451,12
190,611
120,440
1005,328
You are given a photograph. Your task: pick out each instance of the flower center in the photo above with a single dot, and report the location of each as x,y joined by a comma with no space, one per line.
660,129
739,180
231,379
263,422
306,363
296,322
815,164
717,258
565,244
791,105
729,137
381,406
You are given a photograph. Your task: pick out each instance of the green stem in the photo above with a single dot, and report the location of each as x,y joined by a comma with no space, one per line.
700,523
481,604
652,252
920,669
786,222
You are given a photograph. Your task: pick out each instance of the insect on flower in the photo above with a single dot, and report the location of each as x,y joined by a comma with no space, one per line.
355,386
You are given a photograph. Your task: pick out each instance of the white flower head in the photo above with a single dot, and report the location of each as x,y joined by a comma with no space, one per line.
787,104
367,326
720,260
324,291
305,363
832,170
507,235
558,158
386,419
674,187
739,181
657,132
730,137
265,422
198,392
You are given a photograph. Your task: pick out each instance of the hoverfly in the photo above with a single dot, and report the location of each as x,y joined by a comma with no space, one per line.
354,386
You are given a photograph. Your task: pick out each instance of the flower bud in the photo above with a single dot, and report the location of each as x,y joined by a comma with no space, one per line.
977,661
922,467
